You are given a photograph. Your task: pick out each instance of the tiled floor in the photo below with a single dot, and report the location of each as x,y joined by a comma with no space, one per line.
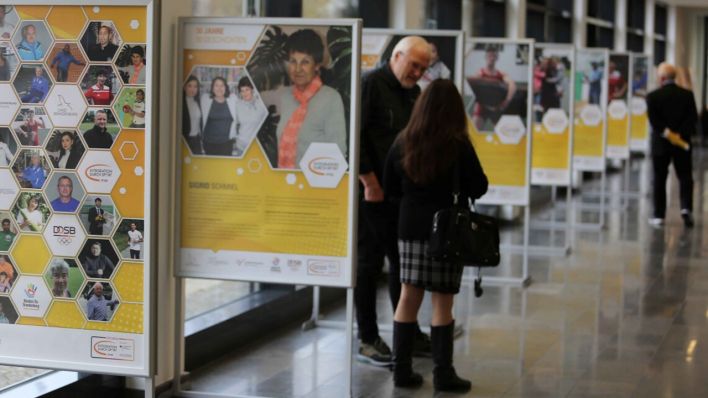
625,315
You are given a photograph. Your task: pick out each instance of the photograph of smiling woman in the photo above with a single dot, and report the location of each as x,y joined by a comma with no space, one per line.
310,111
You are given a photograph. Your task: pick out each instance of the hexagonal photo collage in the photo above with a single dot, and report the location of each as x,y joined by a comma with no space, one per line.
64,101
290,93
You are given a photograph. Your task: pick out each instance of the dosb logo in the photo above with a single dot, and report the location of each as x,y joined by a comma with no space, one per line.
64,234
64,230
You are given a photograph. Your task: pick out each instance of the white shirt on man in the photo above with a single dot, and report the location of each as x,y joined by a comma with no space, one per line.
135,240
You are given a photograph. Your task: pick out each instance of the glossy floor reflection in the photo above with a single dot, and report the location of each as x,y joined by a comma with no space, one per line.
625,315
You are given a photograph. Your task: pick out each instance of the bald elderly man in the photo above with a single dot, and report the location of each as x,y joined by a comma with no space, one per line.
671,108
387,94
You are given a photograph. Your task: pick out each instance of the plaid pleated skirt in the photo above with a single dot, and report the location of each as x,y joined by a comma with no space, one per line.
421,271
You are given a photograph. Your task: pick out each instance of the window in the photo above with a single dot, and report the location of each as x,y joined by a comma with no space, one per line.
600,36
488,18
550,20
602,9
660,24
635,25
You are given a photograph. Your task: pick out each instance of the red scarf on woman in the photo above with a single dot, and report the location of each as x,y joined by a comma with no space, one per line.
287,148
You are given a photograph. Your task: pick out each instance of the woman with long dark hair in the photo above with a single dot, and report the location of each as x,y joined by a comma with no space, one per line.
420,170
69,153
192,115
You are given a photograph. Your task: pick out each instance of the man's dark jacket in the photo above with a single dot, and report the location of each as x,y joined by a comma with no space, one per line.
672,107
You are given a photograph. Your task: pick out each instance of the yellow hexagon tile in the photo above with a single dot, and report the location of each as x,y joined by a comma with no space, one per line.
128,319
31,254
130,21
66,22
129,282
129,191
65,314
31,321
32,12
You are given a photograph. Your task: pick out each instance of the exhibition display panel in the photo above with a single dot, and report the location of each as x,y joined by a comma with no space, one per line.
639,141
75,189
618,115
589,105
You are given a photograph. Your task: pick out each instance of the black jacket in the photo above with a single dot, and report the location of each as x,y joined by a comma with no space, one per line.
385,109
418,203
673,107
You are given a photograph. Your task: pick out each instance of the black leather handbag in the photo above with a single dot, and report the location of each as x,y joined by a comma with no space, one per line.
461,236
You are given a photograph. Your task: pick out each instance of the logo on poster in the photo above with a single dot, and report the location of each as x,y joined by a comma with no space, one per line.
64,234
555,121
65,105
323,268
591,115
617,109
30,302
510,129
112,348
639,106
323,165
100,172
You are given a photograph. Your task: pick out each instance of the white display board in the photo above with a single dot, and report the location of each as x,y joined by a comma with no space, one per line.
75,258
641,66
498,99
590,107
618,111
553,116
269,195
448,49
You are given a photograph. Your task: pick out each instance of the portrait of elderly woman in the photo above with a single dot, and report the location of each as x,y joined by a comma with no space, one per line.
305,109
58,278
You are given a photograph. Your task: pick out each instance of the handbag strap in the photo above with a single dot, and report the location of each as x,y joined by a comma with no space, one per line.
455,182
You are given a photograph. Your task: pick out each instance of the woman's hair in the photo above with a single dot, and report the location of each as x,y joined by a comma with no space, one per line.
71,135
244,82
437,127
68,133
211,91
59,266
138,50
141,91
33,199
192,78
306,41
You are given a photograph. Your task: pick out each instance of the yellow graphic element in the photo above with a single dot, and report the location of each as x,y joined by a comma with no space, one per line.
549,151
227,205
503,164
130,21
31,321
128,150
618,131
676,139
369,61
640,127
129,192
128,319
65,314
31,254
129,282
32,12
587,140
193,58
66,22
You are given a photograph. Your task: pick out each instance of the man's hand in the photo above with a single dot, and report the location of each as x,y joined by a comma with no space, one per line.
372,189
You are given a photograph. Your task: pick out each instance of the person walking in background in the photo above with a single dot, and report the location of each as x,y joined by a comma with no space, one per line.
672,115
387,94
422,182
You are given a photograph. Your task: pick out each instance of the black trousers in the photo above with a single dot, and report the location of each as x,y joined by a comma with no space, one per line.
378,238
682,166
135,254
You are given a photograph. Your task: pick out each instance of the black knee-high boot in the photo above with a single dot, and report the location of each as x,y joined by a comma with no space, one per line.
444,376
403,339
